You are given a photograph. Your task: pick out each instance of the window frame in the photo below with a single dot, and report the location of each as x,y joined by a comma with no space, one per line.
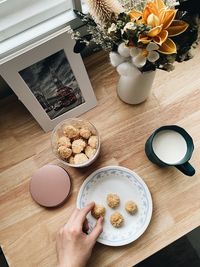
12,45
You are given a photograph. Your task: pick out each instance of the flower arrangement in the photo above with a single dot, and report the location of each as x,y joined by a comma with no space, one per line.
148,35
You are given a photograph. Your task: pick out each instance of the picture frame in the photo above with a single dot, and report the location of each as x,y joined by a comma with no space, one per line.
50,79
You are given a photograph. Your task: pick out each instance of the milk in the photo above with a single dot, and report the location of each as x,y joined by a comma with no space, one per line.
169,146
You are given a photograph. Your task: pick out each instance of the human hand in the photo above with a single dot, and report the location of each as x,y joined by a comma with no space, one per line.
74,247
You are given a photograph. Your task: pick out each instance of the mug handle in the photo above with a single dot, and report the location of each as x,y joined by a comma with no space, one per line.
186,168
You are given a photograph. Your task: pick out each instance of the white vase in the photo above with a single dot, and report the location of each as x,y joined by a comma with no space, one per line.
136,88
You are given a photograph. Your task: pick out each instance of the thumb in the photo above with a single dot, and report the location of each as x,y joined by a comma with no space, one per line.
98,229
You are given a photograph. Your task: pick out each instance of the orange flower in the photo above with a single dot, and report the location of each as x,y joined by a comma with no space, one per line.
163,25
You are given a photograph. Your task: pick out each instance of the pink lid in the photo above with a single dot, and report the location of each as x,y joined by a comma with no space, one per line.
50,186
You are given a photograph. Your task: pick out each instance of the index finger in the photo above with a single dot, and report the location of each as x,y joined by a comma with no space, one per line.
83,212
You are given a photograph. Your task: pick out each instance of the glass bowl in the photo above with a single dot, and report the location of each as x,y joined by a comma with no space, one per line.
78,124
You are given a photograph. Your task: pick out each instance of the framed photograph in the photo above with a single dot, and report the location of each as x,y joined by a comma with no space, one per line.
50,80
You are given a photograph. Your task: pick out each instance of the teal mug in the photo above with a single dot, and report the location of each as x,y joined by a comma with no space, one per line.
171,145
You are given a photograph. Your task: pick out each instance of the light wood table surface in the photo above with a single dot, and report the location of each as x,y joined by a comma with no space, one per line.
28,231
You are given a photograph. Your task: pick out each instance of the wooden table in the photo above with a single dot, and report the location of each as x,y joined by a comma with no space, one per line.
27,231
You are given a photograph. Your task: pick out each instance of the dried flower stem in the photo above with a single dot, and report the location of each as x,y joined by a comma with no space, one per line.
102,10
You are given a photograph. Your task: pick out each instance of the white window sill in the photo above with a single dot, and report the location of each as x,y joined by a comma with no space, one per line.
24,14
21,40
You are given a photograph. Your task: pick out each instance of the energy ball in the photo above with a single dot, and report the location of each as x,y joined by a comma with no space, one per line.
98,211
93,141
71,160
64,141
113,200
89,151
85,133
70,131
64,152
78,146
131,207
116,219
80,158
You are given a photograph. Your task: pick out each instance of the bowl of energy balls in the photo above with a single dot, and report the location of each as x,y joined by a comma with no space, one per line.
75,142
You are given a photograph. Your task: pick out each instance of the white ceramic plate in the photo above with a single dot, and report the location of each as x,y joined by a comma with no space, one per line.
128,186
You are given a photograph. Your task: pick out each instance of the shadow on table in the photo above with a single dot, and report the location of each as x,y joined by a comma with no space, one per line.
3,262
181,253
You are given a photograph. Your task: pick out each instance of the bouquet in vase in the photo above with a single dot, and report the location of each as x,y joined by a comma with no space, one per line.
148,35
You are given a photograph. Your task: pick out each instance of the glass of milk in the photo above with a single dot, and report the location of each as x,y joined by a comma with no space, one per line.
171,145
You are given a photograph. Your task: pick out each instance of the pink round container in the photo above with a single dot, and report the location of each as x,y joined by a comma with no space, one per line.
50,186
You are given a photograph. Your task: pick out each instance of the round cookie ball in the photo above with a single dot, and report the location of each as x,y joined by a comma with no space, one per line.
98,211
80,158
64,141
113,200
64,152
78,146
116,219
93,141
85,133
70,131
71,160
89,151
130,207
